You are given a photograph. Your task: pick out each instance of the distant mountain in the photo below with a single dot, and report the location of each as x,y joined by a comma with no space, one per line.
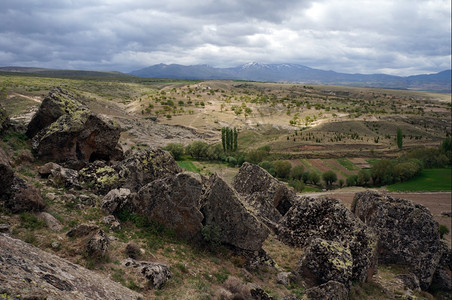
62,73
439,82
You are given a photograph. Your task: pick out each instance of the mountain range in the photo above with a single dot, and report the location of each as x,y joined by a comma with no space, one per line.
439,82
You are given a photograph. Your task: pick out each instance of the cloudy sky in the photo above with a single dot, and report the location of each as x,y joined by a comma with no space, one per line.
400,37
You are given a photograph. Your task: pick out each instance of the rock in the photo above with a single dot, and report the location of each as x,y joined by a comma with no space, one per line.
46,169
256,259
4,227
223,209
323,261
258,293
82,230
64,130
269,197
328,219
97,245
99,177
115,226
87,200
144,167
283,278
331,290
24,156
52,223
4,119
289,297
108,219
410,281
156,274
64,177
34,274
25,197
442,279
133,251
6,173
408,234
446,213
173,202
115,200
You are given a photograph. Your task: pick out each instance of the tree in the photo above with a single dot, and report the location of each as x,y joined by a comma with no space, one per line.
235,135
197,149
314,178
329,177
305,177
399,138
363,177
255,156
351,180
382,172
282,168
176,150
223,138
297,172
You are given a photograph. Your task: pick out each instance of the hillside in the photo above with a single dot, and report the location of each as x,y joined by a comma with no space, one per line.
440,82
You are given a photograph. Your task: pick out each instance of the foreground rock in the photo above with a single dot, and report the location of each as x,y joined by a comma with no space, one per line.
6,173
329,220
223,209
269,197
408,234
35,274
65,130
173,202
25,197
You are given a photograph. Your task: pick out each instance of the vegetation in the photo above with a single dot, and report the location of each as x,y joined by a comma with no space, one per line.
428,180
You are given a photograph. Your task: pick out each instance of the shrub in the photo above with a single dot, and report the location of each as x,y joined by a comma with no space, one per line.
298,185
282,168
351,180
329,177
443,230
297,172
197,149
305,177
314,178
211,235
176,150
362,178
256,156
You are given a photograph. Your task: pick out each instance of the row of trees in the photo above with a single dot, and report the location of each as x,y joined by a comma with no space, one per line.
229,139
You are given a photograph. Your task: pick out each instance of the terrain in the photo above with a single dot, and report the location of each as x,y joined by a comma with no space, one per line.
344,129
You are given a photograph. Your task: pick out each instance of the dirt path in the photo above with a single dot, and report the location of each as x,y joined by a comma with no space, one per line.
35,99
436,202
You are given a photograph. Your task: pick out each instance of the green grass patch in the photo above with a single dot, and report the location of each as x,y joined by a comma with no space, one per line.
346,164
428,180
188,165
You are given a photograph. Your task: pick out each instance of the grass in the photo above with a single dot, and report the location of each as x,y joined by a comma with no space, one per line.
346,164
428,181
188,166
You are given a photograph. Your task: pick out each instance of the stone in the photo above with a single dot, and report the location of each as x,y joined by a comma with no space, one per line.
97,245
331,290
407,232
51,222
46,170
115,226
323,261
4,120
269,197
99,177
289,297
330,220
144,167
65,130
115,200
82,230
410,281
64,177
156,274
133,251
258,293
25,197
442,279
35,274
4,227
173,202
283,278
108,219
255,260
6,173
223,209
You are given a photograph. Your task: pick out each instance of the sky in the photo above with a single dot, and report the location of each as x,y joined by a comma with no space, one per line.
397,37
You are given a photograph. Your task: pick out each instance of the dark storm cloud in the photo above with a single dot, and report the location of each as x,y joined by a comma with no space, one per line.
399,37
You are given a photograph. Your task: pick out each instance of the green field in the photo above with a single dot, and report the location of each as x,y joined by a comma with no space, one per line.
188,165
428,180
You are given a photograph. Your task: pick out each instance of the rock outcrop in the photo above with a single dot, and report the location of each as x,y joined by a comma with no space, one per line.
328,219
115,200
173,202
65,130
223,209
157,274
4,120
407,233
269,197
97,245
34,274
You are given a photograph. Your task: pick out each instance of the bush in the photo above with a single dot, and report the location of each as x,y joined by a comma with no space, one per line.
256,156
362,178
443,230
382,172
211,235
197,149
282,168
305,177
351,180
176,150
314,178
268,166
298,185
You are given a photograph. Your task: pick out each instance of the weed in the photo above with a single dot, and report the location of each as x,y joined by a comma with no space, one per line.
30,221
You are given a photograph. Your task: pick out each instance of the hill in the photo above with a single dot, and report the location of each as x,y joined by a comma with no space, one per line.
440,82
62,73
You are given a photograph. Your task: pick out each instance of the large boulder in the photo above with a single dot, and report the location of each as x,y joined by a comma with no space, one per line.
144,167
99,177
30,273
97,245
173,202
270,198
332,290
223,209
407,233
6,173
323,261
25,197
330,220
65,130
115,200
156,274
